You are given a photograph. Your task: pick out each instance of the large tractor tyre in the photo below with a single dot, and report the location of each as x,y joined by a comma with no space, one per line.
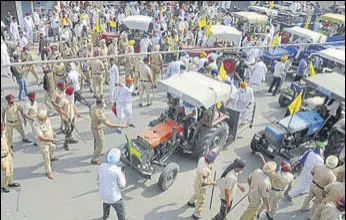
296,166
283,101
168,176
213,138
336,146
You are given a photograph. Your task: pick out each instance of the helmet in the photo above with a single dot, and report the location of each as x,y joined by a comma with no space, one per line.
211,156
69,90
285,166
146,59
332,161
42,115
340,204
61,85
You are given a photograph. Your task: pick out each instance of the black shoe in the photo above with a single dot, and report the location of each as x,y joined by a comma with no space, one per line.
11,147
140,105
192,205
195,217
35,144
14,185
66,147
5,190
132,125
25,140
270,218
54,159
149,104
73,141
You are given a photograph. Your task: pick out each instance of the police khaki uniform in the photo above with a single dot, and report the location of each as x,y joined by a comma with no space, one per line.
113,49
98,120
58,94
259,190
280,182
332,212
340,172
67,111
31,110
123,43
97,69
48,94
67,52
85,69
6,163
156,64
46,141
59,72
130,61
26,56
332,192
145,81
322,176
104,52
11,111
202,180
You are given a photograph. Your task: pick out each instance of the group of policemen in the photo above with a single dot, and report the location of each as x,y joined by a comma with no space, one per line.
268,186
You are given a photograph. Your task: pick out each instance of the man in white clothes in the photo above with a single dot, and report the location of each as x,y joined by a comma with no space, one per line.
113,80
258,73
28,26
36,18
124,102
14,29
22,40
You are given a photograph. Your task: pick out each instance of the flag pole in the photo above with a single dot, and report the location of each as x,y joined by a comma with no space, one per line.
294,111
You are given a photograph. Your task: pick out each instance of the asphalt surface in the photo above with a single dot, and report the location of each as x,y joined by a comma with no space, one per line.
73,194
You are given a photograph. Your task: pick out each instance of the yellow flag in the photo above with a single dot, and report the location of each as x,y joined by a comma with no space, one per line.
271,6
306,26
161,12
222,73
98,25
112,24
311,69
296,104
276,40
208,32
132,150
202,22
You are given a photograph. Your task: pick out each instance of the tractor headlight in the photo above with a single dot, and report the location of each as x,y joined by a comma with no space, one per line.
271,148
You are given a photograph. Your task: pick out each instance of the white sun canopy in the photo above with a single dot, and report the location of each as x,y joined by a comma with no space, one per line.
226,33
306,33
197,89
333,54
252,17
139,22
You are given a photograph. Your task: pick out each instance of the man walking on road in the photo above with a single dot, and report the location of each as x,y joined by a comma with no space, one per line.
111,180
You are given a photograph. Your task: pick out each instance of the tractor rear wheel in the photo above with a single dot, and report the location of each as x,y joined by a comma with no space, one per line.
336,145
168,176
213,138
283,101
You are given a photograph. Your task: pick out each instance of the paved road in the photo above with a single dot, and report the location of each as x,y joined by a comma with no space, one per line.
73,194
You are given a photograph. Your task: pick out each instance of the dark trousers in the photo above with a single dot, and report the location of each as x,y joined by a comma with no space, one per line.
69,127
43,54
297,78
275,83
119,207
222,215
80,98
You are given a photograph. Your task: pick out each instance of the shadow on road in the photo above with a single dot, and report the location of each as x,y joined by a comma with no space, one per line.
167,215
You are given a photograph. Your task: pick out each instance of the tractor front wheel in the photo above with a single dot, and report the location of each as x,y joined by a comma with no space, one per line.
168,176
213,138
283,101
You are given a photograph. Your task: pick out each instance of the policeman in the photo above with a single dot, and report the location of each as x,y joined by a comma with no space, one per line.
331,194
58,94
49,88
259,190
130,60
59,71
334,211
98,120
54,54
104,52
322,176
12,111
123,43
202,180
31,110
67,52
156,64
85,66
113,49
281,182
340,172
228,183
146,83
25,57
68,110
46,140
6,163
97,69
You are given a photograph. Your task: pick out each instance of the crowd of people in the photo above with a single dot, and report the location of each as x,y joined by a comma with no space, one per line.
73,30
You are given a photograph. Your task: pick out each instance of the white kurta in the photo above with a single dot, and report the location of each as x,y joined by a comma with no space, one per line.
5,59
258,73
124,103
305,178
113,80
144,44
14,30
23,42
243,98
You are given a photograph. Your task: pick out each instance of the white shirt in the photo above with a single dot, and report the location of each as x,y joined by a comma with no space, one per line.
36,18
23,42
28,23
145,43
243,98
121,18
229,183
73,76
279,70
124,94
113,75
173,68
155,40
111,181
